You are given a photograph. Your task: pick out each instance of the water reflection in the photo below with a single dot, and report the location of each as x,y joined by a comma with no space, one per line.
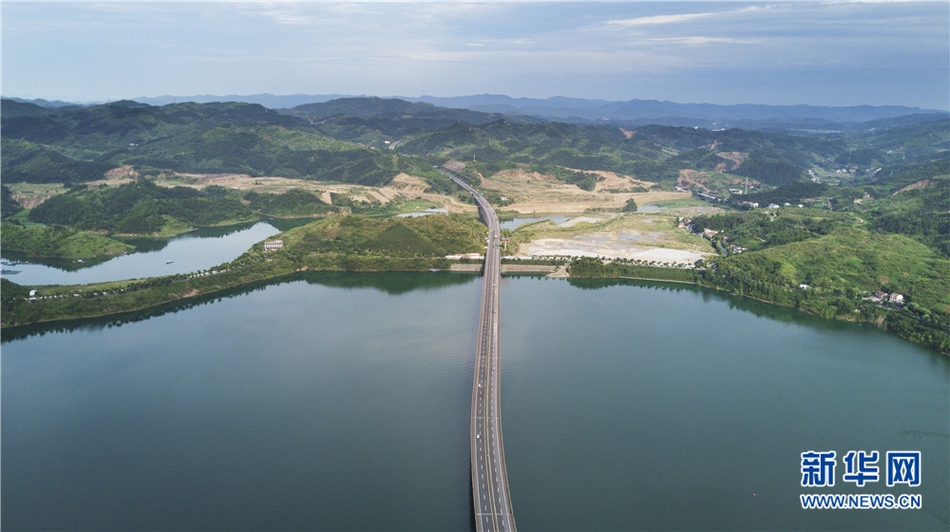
392,283
197,250
641,407
758,308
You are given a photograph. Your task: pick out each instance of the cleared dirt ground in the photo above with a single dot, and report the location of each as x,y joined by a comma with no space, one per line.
650,236
403,186
534,193
596,226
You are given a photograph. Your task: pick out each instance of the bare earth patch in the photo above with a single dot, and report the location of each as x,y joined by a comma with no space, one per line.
610,245
29,195
403,186
535,193
580,219
647,236
597,228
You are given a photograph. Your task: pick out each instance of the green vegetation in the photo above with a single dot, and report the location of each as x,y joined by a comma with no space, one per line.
35,163
892,240
8,207
424,236
631,206
764,228
876,200
583,180
79,144
60,242
350,243
833,276
378,122
587,267
142,208
56,303
922,212
677,203
294,202
843,268
792,193
772,170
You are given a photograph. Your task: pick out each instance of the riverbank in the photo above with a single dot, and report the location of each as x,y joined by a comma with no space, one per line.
31,305
292,356
23,306
908,321
550,270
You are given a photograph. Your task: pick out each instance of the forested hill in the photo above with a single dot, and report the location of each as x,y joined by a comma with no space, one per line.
79,144
653,152
369,140
580,110
375,120
117,124
844,213
661,153
746,116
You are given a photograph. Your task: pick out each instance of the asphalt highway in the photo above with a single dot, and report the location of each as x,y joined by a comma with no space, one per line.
489,478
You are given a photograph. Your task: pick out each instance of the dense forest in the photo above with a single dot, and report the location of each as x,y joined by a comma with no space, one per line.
370,140
141,208
57,241
79,144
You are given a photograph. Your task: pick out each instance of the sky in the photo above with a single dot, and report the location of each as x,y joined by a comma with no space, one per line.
835,53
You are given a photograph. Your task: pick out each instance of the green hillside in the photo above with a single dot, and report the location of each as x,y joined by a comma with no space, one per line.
424,236
332,140
374,121
142,208
60,242
875,197
79,144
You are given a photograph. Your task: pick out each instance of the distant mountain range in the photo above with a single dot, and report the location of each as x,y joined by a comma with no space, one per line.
671,113
585,111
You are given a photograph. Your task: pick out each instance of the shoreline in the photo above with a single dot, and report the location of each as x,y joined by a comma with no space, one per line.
164,291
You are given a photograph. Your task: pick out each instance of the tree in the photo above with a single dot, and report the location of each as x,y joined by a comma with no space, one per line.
631,206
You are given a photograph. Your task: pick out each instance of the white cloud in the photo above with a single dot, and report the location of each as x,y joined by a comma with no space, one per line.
463,47
696,40
660,19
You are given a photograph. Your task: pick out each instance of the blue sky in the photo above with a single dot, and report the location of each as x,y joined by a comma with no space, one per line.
799,52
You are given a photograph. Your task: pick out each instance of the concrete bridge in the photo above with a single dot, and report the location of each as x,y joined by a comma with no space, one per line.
492,504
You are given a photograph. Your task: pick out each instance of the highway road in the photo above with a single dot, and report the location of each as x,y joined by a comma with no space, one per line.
492,504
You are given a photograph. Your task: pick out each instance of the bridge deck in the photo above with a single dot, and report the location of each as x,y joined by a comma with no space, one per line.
489,476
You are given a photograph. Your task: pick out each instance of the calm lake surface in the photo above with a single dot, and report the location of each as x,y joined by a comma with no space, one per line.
197,250
342,402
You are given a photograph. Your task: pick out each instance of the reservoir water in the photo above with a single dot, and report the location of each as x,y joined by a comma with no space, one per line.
341,402
198,250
